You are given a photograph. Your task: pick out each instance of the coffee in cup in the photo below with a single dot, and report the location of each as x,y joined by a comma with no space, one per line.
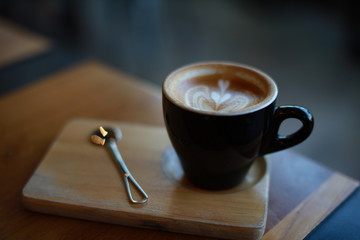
219,92
221,116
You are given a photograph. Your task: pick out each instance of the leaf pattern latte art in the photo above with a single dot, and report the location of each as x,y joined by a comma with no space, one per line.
219,99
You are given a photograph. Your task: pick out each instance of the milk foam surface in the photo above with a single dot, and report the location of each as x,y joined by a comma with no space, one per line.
220,99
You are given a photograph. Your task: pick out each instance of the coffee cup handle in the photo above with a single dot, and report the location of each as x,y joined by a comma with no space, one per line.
274,142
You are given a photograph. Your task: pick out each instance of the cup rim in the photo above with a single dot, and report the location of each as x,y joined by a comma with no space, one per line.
263,104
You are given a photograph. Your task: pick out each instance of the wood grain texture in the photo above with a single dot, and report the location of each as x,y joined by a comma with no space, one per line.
31,117
310,212
294,177
78,179
17,43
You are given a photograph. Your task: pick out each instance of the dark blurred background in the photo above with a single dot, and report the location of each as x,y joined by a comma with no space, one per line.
310,48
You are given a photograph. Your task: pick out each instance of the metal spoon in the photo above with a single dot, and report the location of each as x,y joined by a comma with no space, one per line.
109,137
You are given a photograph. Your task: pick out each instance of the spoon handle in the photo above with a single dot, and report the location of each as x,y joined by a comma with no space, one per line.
128,178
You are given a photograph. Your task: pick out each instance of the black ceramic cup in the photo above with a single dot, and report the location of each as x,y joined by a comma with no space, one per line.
221,116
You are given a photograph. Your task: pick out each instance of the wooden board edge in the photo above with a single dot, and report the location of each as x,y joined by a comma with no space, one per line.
81,212
314,209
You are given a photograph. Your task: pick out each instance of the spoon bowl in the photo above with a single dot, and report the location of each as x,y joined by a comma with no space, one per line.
112,133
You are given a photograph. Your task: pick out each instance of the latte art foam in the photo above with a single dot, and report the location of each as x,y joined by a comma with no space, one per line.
220,99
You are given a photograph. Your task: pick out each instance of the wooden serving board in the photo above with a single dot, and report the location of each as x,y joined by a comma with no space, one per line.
79,179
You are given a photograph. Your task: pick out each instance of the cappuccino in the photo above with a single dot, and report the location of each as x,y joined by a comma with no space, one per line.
221,116
217,90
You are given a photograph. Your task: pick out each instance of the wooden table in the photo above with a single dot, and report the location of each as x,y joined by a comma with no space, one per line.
302,192
17,43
